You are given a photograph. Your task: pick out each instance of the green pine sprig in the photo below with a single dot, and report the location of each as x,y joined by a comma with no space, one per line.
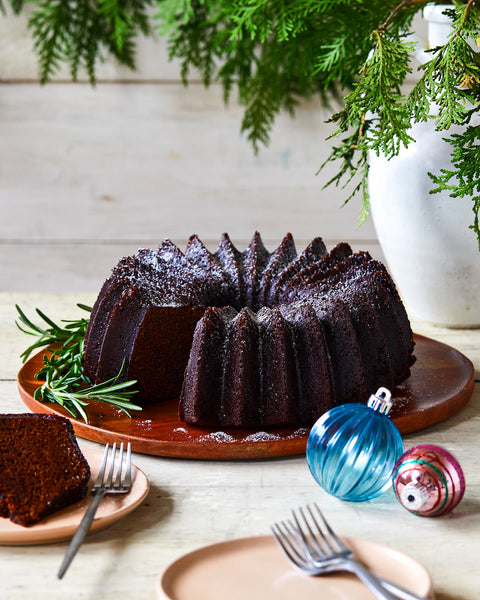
274,53
354,166
17,6
451,79
64,381
462,180
80,33
377,114
267,59
377,98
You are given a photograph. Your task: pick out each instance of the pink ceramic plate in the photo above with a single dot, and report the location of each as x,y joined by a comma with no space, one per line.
255,568
62,525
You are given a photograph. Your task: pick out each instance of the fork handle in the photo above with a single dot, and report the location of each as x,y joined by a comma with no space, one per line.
399,592
81,532
370,580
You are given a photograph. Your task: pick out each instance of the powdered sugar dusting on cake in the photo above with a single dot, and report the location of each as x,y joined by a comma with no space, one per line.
221,437
274,352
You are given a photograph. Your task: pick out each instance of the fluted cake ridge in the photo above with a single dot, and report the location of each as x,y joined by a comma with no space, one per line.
250,338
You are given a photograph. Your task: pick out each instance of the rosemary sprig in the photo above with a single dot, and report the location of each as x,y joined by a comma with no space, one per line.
65,382
71,336
64,388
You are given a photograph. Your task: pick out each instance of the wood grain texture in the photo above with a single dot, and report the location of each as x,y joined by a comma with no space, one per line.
126,165
82,266
152,161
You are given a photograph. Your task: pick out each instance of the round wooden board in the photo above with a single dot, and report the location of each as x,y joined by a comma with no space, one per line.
440,385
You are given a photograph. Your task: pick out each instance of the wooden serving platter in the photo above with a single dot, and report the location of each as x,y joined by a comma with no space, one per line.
440,385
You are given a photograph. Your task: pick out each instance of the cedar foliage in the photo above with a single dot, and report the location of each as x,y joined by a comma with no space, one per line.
273,53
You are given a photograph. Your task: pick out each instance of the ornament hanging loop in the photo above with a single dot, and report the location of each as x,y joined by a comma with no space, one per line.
381,401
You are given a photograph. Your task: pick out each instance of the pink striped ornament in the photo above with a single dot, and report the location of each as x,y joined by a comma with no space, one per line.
428,481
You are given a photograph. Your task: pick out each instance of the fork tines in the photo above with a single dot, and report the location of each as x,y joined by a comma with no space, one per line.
308,536
328,542
313,548
120,483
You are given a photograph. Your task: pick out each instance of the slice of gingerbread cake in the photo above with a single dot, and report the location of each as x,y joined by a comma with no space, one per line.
42,469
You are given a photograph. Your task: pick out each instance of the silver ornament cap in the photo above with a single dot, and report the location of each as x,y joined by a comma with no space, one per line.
381,401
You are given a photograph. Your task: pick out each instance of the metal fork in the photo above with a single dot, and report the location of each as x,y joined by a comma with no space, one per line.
317,550
102,486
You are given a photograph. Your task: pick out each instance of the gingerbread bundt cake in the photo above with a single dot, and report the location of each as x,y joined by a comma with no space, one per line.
252,338
42,469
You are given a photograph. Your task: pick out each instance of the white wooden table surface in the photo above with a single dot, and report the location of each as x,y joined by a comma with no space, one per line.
88,175
193,503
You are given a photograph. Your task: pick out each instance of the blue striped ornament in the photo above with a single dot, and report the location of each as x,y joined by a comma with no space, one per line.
353,448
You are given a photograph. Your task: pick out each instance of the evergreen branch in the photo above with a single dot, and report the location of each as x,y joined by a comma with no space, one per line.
378,92
452,77
399,9
275,53
272,60
374,113
194,35
77,33
461,181
17,7
353,156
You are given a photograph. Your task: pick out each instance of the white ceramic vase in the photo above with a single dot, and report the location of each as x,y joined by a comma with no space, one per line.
432,255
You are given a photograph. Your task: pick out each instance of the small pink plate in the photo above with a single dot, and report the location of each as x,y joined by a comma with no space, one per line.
62,525
255,568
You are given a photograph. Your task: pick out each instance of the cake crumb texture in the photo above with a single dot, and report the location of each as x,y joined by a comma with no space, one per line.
42,469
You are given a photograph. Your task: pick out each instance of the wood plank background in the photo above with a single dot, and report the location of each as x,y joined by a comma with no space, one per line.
88,175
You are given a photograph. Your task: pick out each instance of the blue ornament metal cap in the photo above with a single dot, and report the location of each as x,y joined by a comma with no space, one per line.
381,401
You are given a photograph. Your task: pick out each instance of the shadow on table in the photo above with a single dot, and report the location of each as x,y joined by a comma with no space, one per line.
468,506
443,596
156,507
